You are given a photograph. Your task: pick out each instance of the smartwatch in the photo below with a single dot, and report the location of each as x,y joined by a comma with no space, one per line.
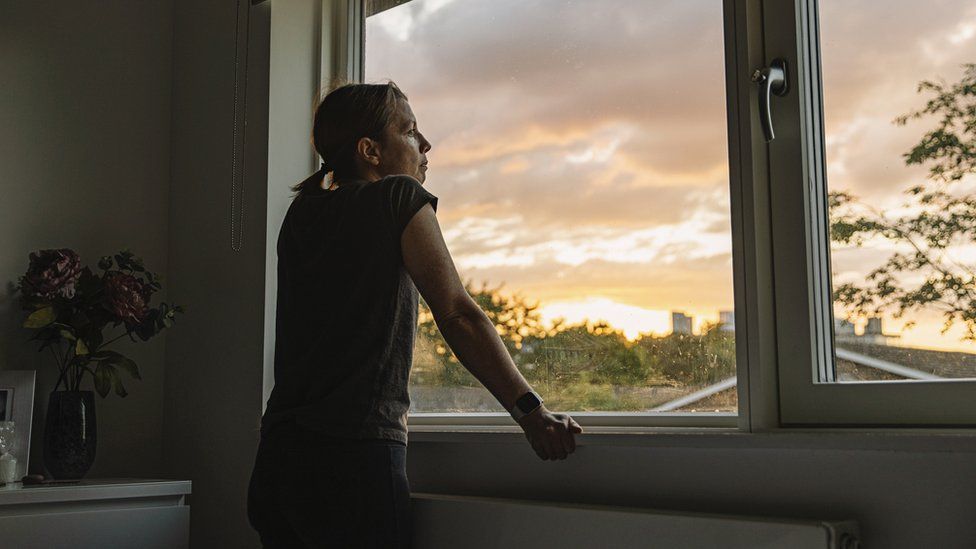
525,405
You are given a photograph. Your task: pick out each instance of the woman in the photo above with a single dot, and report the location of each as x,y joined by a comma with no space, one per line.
331,466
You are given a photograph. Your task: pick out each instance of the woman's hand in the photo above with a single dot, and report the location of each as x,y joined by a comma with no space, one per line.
473,337
552,436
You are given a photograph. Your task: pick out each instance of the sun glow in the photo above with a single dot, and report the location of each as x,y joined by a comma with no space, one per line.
632,320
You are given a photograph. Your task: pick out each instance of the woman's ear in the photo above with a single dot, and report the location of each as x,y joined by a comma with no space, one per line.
368,150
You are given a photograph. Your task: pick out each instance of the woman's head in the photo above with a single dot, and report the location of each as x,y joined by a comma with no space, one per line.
368,131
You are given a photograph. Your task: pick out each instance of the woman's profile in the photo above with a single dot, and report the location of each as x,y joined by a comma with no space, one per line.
330,469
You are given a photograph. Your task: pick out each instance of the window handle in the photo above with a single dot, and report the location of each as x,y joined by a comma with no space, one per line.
771,80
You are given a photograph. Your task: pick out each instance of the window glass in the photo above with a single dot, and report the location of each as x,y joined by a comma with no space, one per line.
900,112
580,157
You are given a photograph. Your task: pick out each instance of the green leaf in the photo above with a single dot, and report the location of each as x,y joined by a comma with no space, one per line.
128,365
144,333
104,355
117,384
103,378
40,318
80,347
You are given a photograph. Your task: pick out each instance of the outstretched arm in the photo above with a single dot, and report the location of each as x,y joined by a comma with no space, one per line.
472,336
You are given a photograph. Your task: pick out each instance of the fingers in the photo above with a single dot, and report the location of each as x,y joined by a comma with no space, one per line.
560,438
569,441
553,448
556,438
540,451
568,429
545,446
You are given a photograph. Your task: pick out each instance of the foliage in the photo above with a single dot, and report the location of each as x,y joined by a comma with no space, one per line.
514,320
689,359
69,307
581,366
562,356
937,217
587,394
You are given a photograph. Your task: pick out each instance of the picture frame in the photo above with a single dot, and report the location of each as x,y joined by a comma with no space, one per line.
17,405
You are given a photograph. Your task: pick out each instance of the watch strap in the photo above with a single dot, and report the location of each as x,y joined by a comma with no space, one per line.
525,405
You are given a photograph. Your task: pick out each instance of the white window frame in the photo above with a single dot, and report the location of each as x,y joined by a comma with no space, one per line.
781,282
344,20
803,291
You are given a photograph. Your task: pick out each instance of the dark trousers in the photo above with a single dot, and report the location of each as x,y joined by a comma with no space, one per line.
311,490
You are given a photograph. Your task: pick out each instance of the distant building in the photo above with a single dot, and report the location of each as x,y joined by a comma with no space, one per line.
873,327
680,323
873,332
726,321
843,328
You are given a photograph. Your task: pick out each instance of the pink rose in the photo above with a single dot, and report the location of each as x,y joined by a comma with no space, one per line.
52,273
126,297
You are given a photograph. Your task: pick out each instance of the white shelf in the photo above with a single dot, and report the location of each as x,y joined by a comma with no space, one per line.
92,489
126,513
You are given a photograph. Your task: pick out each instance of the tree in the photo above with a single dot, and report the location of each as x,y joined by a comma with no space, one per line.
926,268
590,352
689,359
514,320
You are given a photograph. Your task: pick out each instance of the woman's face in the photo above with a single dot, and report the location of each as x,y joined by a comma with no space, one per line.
404,148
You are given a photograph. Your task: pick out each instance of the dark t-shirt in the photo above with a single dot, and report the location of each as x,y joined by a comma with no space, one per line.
347,310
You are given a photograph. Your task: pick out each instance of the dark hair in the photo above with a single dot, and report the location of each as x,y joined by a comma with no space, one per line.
343,117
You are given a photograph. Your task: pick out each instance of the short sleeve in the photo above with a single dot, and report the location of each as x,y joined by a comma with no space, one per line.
407,196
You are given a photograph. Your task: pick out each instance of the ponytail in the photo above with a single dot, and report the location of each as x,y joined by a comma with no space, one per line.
343,117
312,181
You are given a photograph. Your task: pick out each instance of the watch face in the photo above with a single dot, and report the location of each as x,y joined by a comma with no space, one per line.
528,402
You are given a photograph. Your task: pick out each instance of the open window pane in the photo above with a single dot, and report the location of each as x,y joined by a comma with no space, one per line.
900,128
580,157
861,64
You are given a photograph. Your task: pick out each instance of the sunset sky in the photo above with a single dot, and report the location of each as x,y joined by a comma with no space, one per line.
580,147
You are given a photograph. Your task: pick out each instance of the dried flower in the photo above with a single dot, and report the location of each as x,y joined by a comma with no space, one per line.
52,273
73,327
126,297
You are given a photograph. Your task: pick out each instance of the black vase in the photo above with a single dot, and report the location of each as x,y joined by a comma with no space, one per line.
69,435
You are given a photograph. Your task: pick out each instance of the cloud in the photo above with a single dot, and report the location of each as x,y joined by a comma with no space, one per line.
580,148
557,73
554,158
872,64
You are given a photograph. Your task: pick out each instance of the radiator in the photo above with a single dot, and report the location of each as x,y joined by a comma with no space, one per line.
450,522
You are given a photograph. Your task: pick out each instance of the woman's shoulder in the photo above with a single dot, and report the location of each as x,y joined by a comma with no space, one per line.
397,181
397,188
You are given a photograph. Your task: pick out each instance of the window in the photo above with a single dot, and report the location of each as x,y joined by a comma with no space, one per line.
584,194
580,155
866,330
901,227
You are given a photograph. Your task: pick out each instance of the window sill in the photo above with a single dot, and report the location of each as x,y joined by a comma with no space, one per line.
589,420
906,440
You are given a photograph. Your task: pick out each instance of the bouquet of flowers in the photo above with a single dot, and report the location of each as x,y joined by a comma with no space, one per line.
70,306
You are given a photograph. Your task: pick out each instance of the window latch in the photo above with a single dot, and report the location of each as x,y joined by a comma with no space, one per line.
771,81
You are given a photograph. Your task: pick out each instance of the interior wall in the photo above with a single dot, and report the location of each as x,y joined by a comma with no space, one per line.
85,151
904,492
214,370
902,497
293,92
85,143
